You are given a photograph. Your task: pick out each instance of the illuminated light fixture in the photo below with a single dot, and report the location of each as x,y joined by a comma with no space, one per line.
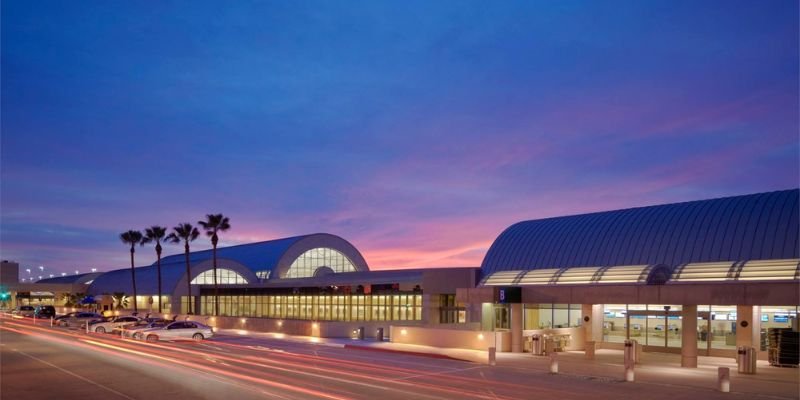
314,340
279,335
63,274
166,316
94,269
403,332
280,323
315,325
480,336
242,332
51,275
243,320
76,272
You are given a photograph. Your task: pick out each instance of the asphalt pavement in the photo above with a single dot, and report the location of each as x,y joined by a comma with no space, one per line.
40,362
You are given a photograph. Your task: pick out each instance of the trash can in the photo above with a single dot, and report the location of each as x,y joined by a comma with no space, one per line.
379,334
537,345
361,333
746,358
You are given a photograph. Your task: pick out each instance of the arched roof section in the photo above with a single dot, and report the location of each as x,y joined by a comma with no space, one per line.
319,240
750,227
247,259
173,277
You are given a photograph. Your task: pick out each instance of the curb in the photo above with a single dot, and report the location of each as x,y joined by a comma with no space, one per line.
406,352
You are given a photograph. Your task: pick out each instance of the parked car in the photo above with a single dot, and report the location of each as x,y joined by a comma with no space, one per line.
45,312
136,329
177,331
23,311
78,319
110,324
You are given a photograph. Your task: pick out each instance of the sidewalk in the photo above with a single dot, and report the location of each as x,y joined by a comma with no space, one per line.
655,368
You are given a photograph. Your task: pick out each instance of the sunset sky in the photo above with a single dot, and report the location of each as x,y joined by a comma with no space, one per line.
416,130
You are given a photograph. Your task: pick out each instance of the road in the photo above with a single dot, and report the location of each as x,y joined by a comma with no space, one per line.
40,362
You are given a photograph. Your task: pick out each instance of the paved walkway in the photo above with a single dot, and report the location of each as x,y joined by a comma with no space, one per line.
655,368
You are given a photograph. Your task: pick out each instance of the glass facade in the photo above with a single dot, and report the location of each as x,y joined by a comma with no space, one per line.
547,316
319,307
307,263
150,303
224,277
449,311
651,324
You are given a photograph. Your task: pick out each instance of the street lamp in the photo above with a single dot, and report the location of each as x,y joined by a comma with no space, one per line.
41,268
94,269
63,274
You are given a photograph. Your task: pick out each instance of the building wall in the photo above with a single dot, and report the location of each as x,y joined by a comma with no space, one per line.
9,272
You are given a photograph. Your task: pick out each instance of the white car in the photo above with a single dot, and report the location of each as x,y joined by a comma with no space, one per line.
177,331
78,319
114,323
135,330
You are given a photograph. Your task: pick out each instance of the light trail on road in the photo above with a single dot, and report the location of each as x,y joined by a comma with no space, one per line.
315,376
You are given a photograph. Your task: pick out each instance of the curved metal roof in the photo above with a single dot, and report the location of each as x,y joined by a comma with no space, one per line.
273,255
73,279
750,227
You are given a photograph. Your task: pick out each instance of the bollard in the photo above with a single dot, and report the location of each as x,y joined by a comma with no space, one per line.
87,327
629,375
554,363
51,322
724,379
629,360
34,319
492,356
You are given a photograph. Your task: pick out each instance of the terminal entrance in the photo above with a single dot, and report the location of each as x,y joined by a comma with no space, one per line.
656,330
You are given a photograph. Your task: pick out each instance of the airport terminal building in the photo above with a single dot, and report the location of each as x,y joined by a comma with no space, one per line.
695,278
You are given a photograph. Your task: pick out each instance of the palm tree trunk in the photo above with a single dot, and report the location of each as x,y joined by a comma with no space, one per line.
133,280
158,253
188,280
216,287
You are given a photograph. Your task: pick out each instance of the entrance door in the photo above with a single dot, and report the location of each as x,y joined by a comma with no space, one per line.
655,330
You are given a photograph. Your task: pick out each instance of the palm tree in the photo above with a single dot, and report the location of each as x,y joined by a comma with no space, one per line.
132,238
120,299
156,234
214,224
185,233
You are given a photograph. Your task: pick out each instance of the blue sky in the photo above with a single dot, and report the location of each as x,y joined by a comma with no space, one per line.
417,131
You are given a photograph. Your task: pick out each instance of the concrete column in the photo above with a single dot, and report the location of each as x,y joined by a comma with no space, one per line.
744,326
516,328
586,311
597,322
689,336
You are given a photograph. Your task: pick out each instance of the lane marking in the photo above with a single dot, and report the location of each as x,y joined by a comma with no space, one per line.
437,373
100,385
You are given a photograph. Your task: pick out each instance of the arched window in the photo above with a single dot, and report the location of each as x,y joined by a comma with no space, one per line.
224,277
307,263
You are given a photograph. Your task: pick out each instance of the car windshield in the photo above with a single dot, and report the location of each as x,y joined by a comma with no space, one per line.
26,308
159,324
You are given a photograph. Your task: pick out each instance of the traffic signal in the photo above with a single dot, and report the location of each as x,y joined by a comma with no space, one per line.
4,296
